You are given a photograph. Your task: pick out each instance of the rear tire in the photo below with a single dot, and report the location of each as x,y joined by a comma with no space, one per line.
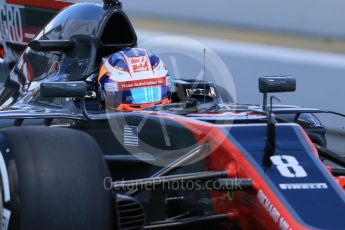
55,180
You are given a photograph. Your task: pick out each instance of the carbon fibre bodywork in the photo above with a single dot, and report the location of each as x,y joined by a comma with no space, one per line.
294,191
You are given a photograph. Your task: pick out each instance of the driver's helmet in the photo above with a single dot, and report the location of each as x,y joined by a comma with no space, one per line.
133,79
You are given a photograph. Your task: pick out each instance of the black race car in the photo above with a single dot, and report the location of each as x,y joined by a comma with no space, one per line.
199,162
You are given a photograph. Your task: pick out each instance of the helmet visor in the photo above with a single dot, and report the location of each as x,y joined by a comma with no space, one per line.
137,96
146,95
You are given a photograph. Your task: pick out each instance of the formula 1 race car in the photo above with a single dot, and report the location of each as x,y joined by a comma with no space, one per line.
198,162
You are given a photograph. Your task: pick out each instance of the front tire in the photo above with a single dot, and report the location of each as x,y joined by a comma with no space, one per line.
55,178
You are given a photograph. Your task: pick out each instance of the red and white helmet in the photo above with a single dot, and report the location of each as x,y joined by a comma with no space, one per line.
134,79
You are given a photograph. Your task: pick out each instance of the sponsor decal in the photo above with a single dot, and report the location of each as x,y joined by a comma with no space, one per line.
49,4
142,83
288,166
131,136
272,211
11,28
301,186
139,64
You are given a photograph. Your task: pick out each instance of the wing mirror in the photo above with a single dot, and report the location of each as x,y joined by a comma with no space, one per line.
63,89
51,45
76,89
276,84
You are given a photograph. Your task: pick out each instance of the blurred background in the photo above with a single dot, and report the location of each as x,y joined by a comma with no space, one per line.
305,39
